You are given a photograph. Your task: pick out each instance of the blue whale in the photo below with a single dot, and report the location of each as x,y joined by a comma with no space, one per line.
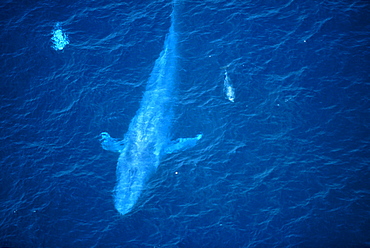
148,137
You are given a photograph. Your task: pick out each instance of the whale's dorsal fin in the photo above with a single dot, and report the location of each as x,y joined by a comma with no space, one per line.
182,143
111,144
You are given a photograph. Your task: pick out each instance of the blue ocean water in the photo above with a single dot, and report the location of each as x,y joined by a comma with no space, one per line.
284,165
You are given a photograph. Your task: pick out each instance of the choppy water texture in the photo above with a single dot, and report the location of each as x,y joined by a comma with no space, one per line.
284,165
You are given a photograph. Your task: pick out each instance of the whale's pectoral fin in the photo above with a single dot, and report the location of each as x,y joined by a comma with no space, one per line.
182,144
111,144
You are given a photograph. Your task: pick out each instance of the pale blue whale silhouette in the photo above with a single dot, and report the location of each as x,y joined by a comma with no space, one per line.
148,137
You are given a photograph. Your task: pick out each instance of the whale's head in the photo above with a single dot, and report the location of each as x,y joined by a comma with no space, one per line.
135,166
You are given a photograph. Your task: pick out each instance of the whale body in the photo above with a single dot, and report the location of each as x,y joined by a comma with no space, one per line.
148,137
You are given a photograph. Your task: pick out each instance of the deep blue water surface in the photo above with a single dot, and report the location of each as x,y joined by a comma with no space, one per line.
285,165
